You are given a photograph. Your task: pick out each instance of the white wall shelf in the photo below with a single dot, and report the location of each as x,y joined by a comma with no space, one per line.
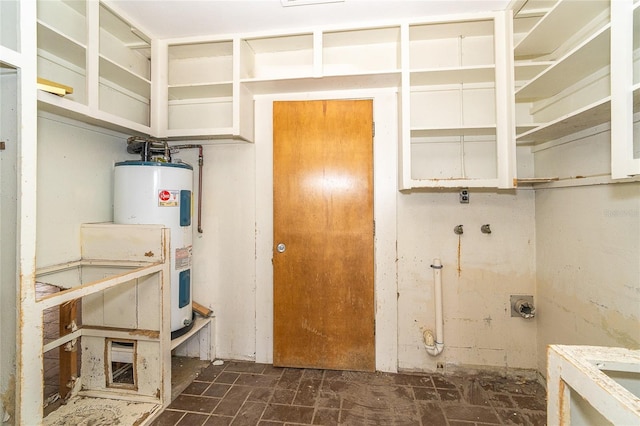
61,46
560,23
370,50
571,93
104,58
526,70
456,120
575,121
124,68
625,76
582,61
278,56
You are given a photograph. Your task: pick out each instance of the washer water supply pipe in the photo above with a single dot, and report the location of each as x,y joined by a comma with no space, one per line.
435,344
147,147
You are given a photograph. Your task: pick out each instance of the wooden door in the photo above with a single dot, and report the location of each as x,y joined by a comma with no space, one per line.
323,216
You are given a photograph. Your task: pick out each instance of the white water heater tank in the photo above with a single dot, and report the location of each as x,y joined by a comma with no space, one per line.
150,192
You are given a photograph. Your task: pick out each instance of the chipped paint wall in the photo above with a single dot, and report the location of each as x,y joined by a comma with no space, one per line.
75,183
8,226
588,251
480,272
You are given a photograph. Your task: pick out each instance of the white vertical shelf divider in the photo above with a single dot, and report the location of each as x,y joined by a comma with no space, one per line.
159,88
505,100
93,56
317,54
623,163
404,165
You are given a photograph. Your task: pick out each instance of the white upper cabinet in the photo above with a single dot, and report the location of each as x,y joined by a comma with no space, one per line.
200,88
62,47
457,105
625,89
587,54
124,69
101,57
568,44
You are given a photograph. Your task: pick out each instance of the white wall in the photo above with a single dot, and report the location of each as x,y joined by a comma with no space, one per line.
478,326
588,251
224,254
8,226
480,272
75,183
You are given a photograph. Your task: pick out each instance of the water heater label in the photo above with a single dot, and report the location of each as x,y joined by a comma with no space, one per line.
183,257
168,198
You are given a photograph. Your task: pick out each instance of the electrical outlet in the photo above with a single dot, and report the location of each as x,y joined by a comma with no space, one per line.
464,196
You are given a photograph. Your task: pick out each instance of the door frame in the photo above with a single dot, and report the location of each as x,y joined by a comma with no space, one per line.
385,176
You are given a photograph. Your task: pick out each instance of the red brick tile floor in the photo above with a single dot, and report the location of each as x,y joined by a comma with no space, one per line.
246,393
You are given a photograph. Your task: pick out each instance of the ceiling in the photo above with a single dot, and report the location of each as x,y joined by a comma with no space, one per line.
182,18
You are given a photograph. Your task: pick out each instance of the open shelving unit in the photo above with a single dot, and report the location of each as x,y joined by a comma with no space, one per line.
453,126
62,45
625,94
103,57
200,88
124,69
571,91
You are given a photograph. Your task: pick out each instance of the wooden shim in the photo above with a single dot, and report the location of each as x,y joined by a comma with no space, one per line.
201,310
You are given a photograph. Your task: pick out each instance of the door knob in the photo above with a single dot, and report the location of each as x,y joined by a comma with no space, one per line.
281,248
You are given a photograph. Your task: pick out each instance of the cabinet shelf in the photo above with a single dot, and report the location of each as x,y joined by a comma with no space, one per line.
121,76
489,130
451,45
526,70
564,20
200,90
455,75
338,82
585,59
61,46
581,119
361,51
277,56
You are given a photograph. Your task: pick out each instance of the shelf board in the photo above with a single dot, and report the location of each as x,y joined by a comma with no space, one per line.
531,181
455,131
584,118
565,19
457,75
121,76
283,43
588,57
434,31
201,50
331,82
62,46
526,70
434,183
361,37
199,324
203,133
201,90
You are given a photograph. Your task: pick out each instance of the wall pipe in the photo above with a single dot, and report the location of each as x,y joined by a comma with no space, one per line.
435,344
200,164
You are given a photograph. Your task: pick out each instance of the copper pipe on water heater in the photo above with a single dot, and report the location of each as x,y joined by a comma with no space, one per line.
200,164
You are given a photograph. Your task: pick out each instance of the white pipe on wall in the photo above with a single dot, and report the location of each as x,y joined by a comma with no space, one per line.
435,344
